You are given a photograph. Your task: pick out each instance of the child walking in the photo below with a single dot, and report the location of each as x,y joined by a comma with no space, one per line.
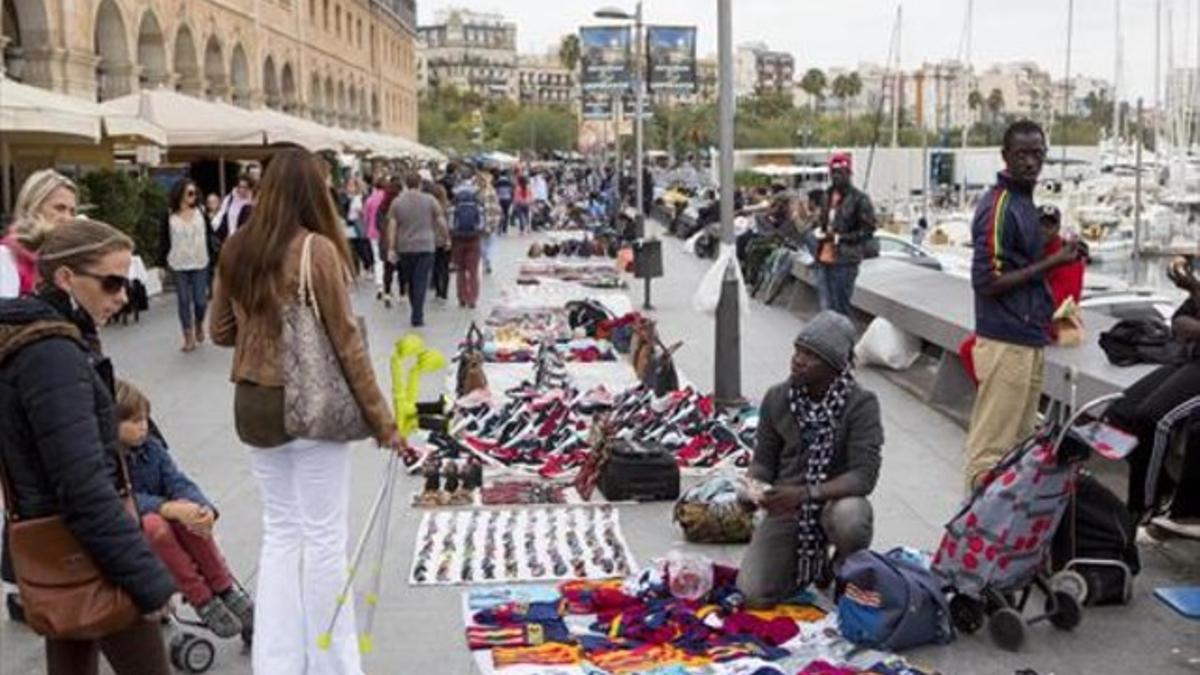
178,520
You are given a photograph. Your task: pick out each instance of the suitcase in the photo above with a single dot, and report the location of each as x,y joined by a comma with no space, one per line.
639,473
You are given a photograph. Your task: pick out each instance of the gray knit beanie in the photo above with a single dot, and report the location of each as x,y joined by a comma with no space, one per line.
830,336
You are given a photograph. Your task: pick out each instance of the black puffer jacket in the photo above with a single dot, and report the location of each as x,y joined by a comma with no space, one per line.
58,439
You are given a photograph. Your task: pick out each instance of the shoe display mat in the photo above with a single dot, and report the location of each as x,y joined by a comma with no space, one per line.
455,547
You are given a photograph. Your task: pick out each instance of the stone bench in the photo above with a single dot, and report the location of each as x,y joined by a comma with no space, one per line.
939,309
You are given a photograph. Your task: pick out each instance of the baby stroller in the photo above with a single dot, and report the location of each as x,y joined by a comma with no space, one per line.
190,650
996,550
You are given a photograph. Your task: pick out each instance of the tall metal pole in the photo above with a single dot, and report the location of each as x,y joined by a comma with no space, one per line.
640,83
897,80
728,376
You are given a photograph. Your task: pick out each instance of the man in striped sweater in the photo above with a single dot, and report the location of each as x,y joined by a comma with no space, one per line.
1013,306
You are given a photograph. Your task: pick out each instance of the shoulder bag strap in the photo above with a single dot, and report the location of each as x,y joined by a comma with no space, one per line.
305,293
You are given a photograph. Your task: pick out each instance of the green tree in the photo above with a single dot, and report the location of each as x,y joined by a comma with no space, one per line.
540,130
569,52
132,204
813,83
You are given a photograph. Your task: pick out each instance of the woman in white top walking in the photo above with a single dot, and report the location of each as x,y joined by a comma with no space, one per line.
187,257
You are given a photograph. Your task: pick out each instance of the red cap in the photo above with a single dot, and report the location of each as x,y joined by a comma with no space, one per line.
841,160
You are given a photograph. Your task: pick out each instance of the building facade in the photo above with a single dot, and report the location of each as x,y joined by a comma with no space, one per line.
544,80
1026,89
939,95
758,70
348,63
471,52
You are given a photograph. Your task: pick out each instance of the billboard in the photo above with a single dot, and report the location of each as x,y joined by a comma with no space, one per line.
605,58
597,105
671,58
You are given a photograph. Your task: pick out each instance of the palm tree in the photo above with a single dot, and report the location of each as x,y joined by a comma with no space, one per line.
840,90
568,52
854,85
813,83
975,102
995,104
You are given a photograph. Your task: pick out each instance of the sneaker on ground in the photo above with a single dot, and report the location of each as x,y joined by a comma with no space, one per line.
1187,528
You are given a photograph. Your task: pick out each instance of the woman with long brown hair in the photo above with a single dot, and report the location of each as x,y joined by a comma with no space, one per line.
59,444
304,483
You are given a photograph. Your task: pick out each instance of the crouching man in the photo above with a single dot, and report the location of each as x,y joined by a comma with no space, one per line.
819,444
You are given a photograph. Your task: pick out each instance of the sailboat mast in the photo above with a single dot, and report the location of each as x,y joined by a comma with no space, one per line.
969,76
1116,120
1062,169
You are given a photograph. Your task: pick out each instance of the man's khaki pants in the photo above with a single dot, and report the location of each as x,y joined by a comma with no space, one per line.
1006,405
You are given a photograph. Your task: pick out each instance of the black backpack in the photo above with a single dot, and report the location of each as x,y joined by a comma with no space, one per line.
1098,527
1134,341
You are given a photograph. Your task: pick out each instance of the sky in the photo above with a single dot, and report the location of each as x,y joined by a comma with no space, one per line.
845,32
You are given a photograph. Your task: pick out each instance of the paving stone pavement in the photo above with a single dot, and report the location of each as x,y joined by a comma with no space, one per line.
419,630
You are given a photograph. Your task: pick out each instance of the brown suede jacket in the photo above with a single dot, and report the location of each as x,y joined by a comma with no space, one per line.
258,340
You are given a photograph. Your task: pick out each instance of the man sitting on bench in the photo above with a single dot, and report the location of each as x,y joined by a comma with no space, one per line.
819,447
1155,407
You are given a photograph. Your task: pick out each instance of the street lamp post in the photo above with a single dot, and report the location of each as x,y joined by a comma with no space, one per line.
639,94
727,378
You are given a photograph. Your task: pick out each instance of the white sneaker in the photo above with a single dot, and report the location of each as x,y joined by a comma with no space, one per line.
1187,528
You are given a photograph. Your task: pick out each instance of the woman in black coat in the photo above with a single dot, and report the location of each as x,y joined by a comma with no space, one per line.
58,435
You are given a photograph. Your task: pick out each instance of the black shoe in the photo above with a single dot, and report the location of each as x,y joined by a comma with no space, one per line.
16,612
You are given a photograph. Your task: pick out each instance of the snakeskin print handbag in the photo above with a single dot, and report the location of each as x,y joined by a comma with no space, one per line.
318,402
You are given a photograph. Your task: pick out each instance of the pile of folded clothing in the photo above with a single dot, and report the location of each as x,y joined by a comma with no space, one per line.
638,625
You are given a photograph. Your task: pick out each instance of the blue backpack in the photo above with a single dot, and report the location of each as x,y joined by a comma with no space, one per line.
890,602
468,214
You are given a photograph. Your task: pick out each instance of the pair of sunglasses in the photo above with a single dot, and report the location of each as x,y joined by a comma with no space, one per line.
109,283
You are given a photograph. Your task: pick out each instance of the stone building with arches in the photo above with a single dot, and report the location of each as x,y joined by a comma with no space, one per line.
346,63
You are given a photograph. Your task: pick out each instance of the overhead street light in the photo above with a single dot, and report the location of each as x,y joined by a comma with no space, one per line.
617,14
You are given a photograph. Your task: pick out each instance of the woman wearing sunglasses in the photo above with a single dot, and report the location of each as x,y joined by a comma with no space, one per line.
58,436
186,254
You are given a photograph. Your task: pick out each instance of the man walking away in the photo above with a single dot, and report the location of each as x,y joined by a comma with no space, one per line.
1013,307
505,193
846,227
413,218
467,232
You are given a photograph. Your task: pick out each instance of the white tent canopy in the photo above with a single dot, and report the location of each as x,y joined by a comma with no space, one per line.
284,128
189,121
26,109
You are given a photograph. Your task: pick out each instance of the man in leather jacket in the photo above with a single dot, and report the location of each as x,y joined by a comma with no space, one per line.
846,228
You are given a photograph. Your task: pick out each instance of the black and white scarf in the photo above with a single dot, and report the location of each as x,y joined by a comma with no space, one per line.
817,419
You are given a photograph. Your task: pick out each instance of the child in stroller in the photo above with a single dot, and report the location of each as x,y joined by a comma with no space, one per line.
178,520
